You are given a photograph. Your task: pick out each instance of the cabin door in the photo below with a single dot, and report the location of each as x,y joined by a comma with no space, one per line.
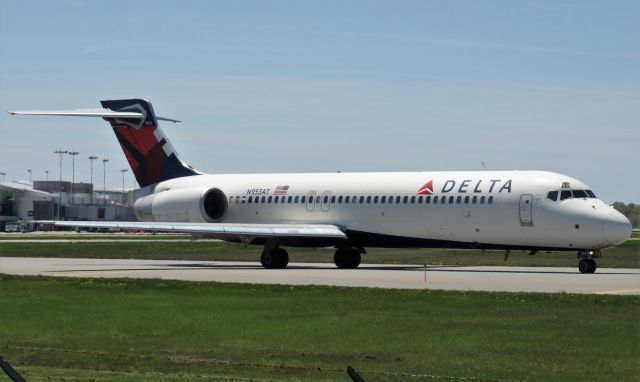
526,210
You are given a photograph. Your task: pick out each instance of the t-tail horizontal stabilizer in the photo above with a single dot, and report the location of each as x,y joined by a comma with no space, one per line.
149,153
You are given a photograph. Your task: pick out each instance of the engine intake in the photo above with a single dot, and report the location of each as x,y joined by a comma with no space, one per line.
196,204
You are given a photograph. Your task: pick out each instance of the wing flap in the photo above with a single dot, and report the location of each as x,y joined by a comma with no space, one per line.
218,229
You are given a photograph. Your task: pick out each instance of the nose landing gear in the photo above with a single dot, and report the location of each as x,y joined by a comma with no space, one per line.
587,264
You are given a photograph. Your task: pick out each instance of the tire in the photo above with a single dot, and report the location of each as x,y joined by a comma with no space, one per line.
341,258
347,258
592,265
282,258
354,258
267,260
584,266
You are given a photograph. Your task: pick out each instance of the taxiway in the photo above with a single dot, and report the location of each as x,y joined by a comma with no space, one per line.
481,278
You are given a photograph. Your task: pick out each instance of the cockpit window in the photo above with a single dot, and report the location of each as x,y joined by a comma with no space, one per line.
567,194
579,194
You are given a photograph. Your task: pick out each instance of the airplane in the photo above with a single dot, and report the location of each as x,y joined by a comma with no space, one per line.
487,210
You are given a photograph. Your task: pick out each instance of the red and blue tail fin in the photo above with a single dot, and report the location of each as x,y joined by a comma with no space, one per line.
150,154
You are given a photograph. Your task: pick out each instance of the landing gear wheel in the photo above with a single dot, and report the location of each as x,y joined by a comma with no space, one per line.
587,266
277,258
347,258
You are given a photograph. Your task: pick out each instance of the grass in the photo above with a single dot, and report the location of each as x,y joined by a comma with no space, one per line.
626,255
108,330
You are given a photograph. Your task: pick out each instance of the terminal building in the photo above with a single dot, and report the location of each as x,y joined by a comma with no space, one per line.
21,203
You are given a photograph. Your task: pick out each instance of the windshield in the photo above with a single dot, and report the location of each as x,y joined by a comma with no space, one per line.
569,194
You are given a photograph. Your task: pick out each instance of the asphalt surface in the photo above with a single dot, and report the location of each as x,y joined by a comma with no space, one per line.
512,279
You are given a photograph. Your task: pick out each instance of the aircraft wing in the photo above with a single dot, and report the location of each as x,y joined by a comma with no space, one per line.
221,230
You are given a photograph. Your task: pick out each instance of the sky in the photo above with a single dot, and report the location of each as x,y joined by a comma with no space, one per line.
302,86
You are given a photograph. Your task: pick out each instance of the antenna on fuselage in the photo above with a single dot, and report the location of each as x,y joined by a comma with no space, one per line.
484,165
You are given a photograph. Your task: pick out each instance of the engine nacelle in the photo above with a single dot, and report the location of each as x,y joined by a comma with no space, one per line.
195,204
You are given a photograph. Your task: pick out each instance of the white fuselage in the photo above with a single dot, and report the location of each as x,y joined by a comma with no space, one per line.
482,209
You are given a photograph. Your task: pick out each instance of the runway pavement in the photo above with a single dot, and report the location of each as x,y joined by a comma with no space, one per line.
513,279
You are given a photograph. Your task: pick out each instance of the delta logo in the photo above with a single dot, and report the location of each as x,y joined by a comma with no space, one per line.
470,186
427,189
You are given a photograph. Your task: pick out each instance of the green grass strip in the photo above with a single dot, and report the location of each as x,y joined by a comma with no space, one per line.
125,329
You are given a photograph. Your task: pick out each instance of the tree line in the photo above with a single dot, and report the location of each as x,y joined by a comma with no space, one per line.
631,211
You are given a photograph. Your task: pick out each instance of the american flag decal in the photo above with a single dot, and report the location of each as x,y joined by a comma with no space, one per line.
281,190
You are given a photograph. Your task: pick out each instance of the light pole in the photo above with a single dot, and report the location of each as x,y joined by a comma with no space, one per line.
91,159
104,180
73,174
60,152
47,172
3,174
123,171
29,171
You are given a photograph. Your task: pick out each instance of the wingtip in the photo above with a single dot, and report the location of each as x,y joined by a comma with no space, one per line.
11,112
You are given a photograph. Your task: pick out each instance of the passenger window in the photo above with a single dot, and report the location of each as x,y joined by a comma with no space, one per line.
443,199
390,199
333,199
383,199
230,199
303,198
427,199
405,199
346,199
295,200
250,199
275,199
565,195
340,199
398,200
482,198
375,200
289,199
244,199
269,200
262,199
361,199
325,200
579,194
435,199
466,200
474,200
552,195
368,199
318,199
490,200
459,199
237,199
450,199
413,199
420,199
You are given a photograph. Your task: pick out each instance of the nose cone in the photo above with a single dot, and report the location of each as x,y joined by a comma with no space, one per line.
617,228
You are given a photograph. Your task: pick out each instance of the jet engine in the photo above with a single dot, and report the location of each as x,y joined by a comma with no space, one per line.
195,204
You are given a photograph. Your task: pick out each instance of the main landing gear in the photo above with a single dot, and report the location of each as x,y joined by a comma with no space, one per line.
347,258
274,257
587,264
